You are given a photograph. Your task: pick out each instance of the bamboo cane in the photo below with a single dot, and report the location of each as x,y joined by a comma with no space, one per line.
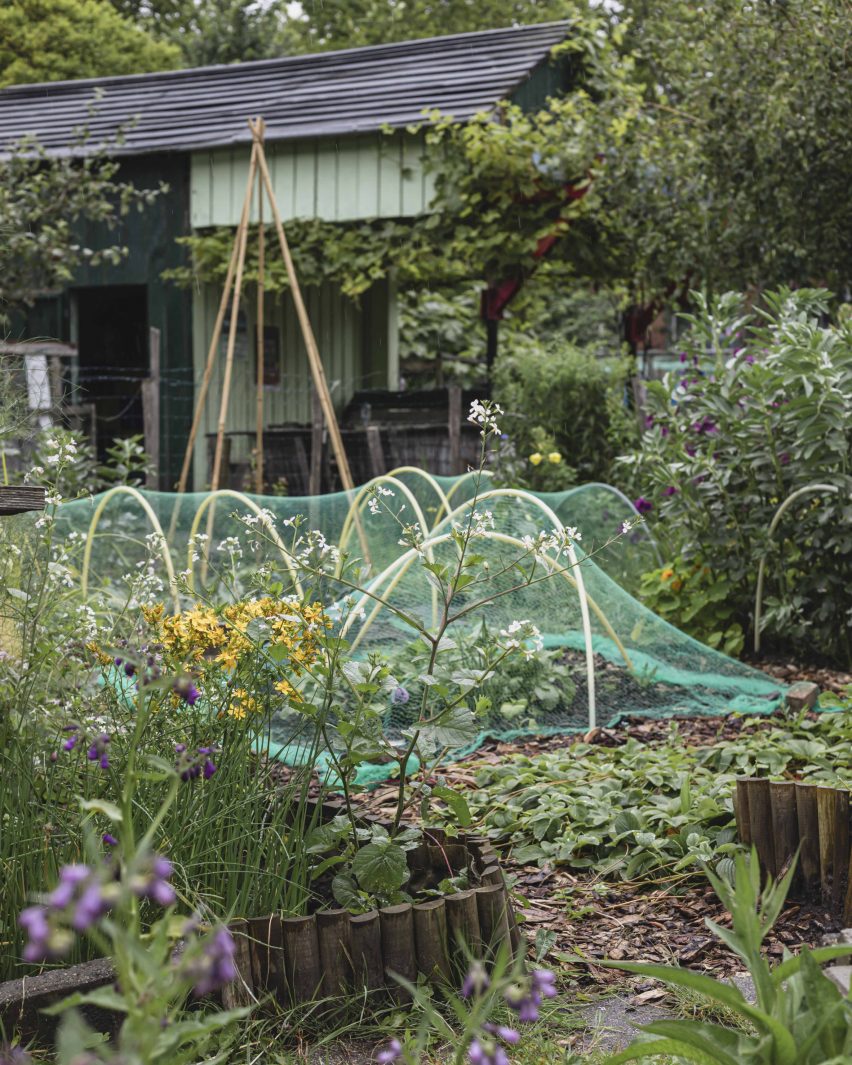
241,241
211,361
258,130
204,387
314,359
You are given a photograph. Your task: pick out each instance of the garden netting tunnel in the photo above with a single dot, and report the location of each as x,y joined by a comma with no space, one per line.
617,658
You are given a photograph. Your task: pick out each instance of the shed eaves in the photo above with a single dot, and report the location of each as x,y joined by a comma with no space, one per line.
329,94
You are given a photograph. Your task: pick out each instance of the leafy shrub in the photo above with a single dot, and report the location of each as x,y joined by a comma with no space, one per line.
574,398
761,408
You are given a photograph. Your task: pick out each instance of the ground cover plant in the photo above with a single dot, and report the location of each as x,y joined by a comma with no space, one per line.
639,811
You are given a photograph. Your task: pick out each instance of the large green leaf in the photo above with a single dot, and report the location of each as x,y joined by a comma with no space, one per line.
380,868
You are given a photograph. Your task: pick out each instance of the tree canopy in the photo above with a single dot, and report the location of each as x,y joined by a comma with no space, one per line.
55,40
351,23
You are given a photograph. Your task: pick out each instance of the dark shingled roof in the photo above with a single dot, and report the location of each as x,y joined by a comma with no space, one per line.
330,94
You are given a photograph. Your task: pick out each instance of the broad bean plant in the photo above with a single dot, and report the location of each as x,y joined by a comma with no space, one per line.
760,407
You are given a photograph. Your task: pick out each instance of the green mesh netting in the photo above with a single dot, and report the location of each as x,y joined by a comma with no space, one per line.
609,655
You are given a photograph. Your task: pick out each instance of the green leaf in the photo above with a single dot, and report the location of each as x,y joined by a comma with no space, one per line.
455,727
380,868
102,806
456,803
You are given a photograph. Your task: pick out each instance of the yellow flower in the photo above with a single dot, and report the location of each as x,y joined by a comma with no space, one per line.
666,574
554,457
536,458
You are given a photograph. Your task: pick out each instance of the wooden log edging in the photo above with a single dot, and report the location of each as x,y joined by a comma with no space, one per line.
781,817
333,953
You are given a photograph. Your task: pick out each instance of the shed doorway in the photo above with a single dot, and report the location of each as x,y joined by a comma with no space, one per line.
112,340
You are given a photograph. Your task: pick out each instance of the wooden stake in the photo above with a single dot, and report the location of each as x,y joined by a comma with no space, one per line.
369,971
258,130
335,950
785,824
841,849
397,929
827,816
741,811
430,938
760,821
806,812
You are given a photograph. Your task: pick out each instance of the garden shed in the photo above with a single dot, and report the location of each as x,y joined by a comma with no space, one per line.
341,147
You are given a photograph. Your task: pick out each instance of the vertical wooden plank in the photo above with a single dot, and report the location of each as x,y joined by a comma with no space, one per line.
492,909
151,408
315,478
267,956
806,813
785,824
304,179
397,928
430,937
335,950
301,957
463,921
366,936
454,428
741,811
828,827
347,182
374,447
760,822
840,861
327,181
239,992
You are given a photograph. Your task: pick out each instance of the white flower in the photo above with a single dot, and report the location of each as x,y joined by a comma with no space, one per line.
522,636
485,415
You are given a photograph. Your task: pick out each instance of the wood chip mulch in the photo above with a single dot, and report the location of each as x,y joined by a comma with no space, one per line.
628,922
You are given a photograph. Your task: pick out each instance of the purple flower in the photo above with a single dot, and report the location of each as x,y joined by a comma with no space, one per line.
705,427
187,690
98,751
525,998
749,359
73,739
213,966
691,450
670,490
90,908
682,356
10,1055
34,921
153,881
476,981
390,1054
399,696
70,879
508,1035
649,421
109,840
643,505
191,766
784,458
487,1053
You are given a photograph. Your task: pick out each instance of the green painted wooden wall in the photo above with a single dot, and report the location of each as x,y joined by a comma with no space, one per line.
365,176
